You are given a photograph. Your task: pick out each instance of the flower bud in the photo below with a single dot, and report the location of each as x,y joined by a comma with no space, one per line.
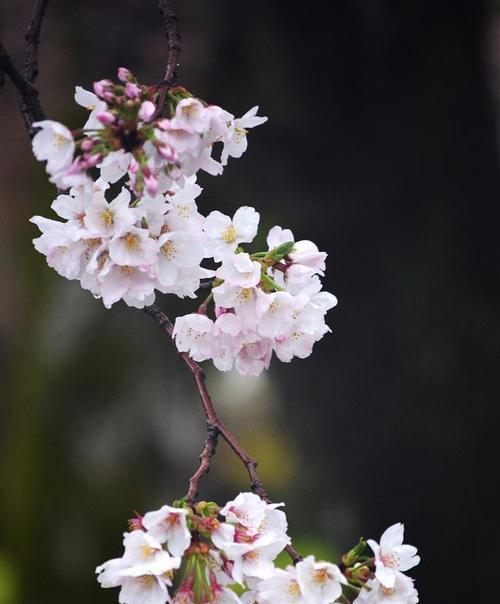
147,110
91,161
134,166
101,88
87,144
105,117
76,167
132,90
167,153
124,74
352,555
135,524
151,184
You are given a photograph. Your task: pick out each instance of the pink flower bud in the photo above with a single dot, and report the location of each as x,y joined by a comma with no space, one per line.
87,144
132,90
76,167
124,74
151,184
147,111
105,117
164,124
220,310
167,153
135,524
90,161
133,166
101,87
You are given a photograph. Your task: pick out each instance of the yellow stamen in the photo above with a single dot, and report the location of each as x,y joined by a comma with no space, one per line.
168,249
320,575
229,234
131,241
293,588
107,217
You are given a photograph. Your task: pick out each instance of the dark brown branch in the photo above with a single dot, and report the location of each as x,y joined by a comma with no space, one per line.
215,426
173,36
208,452
173,41
32,38
29,103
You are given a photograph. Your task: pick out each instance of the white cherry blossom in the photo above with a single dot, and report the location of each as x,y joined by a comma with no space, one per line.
177,250
117,281
53,143
60,245
115,165
168,525
193,334
320,582
247,509
254,355
240,270
92,103
133,247
255,559
225,234
282,587
191,115
109,219
249,303
144,555
392,555
278,317
237,143
402,592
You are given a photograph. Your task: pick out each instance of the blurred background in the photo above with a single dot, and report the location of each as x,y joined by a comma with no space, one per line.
381,146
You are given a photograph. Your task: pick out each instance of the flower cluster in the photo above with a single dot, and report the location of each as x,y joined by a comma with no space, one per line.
129,133
123,250
263,302
149,236
200,553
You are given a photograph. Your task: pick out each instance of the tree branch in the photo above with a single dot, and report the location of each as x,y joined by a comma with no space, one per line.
173,36
173,41
215,426
32,38
29,103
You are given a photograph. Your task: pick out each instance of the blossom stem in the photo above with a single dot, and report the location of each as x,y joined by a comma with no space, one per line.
270,282
215,427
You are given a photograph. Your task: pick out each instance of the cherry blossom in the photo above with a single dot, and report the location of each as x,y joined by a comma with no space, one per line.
402,592
392,555
168,525
320,582
225,234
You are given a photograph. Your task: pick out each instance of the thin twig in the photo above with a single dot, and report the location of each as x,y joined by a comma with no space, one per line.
215,426
29,102
173,36
209,448
32,38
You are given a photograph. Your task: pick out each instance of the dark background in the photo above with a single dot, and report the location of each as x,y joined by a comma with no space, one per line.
381,146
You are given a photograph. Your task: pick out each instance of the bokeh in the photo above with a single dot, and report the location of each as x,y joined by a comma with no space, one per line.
381,146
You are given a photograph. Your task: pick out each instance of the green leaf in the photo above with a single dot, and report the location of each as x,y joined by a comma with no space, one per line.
278,253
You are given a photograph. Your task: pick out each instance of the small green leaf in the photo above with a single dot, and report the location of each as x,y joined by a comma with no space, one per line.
278,253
